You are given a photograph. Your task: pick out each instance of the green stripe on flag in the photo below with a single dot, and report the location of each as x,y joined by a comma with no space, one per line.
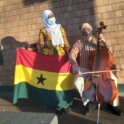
45,97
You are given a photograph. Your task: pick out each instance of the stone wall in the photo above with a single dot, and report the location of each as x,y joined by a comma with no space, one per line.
20,22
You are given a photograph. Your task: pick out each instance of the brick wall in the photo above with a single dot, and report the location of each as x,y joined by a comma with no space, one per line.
20,22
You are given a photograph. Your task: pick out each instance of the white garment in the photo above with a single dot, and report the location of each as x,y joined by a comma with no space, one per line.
54,29
79,84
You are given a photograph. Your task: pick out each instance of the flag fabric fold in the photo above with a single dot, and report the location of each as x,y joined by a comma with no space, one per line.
43,78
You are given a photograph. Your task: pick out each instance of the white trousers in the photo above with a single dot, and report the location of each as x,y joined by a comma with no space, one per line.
79,85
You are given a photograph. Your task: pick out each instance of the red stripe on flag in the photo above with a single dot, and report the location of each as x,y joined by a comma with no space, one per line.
38,61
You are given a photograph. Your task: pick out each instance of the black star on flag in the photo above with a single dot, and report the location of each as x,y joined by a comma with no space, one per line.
40,79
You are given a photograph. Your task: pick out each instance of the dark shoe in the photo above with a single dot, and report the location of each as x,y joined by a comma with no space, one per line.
65,109
59,111
89,107
114,110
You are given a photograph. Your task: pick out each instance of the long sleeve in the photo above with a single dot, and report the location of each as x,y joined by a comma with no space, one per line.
73,54
40,43
66,43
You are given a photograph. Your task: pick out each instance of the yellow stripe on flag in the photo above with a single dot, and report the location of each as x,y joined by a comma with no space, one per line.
53,81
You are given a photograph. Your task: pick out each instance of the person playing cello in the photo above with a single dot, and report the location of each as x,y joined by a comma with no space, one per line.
78,57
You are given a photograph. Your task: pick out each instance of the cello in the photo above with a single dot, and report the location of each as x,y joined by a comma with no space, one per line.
100,87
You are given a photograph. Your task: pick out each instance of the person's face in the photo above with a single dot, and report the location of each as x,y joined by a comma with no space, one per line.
50,15
51,19
86,30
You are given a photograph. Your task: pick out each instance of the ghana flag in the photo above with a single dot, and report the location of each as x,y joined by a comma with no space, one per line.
43,78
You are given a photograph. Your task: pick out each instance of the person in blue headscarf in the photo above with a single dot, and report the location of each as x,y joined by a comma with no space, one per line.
52,37
52,41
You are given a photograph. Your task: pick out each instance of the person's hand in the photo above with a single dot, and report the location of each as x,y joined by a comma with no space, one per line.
29,48
26,48
22,47
101,38
75,69
32,45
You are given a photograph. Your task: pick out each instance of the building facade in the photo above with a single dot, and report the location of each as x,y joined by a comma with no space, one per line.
20,23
